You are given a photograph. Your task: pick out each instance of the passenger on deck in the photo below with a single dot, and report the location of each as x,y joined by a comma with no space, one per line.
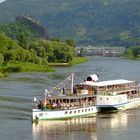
64,90
39,105
75,90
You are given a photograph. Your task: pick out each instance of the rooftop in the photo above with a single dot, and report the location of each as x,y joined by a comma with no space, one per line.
110,82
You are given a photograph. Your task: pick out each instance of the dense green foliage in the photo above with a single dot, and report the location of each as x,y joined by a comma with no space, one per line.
25,67
38,51
18,30
21,49
1,75
133,53
107,22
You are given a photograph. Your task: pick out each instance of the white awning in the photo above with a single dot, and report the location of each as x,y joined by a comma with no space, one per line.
110,82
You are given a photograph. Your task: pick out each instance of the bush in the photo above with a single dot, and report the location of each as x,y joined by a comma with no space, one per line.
13,69
1,75
1,59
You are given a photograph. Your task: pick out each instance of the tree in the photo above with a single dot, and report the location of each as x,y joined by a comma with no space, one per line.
128,53
1,59
11,55
136,51
71,42
23,40
3,43
7,43
38,60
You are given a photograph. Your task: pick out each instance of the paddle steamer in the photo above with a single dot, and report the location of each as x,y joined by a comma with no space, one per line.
79,101
87,98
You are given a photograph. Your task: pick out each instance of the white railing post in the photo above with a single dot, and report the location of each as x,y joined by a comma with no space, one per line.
72,83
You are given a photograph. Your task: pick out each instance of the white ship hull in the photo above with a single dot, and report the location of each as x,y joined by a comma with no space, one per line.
132,103
122,103
38,114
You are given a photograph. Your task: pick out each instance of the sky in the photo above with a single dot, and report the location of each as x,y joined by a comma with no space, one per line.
1,1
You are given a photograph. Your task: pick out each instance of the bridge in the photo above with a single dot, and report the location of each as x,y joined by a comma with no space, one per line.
100,51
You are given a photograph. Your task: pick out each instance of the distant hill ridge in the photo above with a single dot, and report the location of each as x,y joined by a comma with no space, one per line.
90,22
33,25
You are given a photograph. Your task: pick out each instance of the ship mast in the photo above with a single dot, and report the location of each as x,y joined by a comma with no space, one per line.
72,83
46,92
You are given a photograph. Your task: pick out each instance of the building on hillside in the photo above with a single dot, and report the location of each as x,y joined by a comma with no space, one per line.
100,51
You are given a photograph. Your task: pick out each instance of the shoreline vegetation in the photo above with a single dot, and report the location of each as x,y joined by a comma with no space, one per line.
132,53
26,47
30,67
75,61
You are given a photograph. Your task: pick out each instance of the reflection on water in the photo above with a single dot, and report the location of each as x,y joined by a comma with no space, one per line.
113,120
66,129
119,126
92,128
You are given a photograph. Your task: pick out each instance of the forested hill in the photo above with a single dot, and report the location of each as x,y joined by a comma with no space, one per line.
107,22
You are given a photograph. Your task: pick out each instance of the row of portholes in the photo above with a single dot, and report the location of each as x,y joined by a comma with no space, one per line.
78,111
134,100
106,98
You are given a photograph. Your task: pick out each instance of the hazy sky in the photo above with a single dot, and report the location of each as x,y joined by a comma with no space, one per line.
1,1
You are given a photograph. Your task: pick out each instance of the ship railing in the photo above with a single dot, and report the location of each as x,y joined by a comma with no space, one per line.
134,96
134,99
68,106
111,91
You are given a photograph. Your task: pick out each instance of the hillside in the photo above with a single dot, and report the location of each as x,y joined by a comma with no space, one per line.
107,22
24,25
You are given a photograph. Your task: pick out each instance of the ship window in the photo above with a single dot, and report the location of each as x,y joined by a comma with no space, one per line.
82,110
89,109
70,112
66,112
78,111
100,98
41,114
86,110
107,98
75,111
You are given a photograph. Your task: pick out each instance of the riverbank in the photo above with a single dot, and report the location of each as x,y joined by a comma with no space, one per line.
78,60
2,75
75,61
135,58
25,67
30,67
132,58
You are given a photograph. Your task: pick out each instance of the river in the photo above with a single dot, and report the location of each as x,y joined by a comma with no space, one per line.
16,101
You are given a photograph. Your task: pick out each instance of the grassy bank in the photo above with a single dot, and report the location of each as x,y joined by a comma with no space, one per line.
136,58
78,60
59,64
25,67
2,75
133,58
75,60
30,67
